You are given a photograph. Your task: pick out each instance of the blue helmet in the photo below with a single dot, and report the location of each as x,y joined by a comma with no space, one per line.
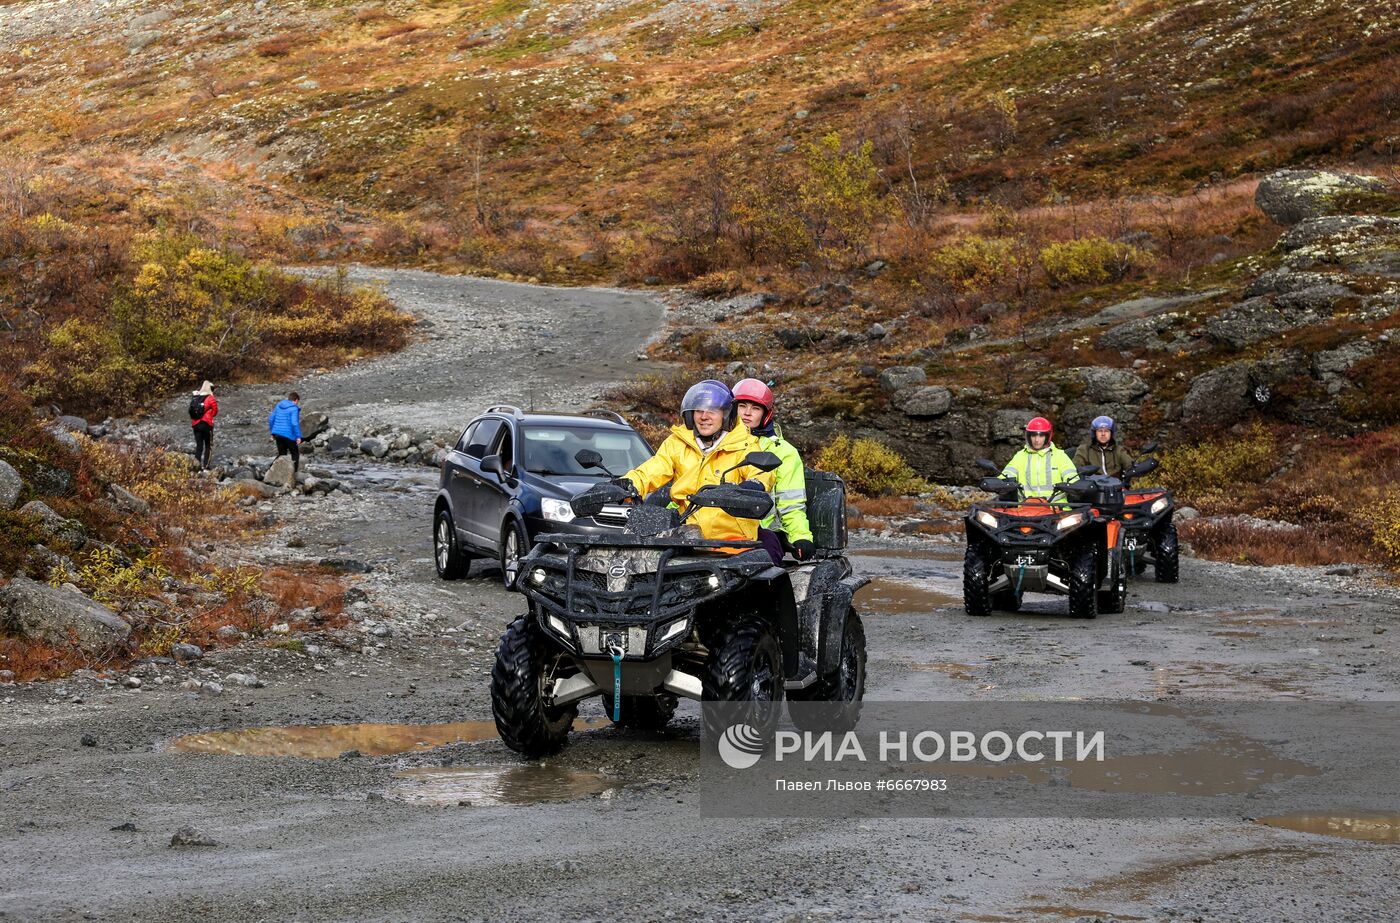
708,395
1104,423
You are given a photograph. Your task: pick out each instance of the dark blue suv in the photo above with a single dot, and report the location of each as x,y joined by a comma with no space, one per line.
510,477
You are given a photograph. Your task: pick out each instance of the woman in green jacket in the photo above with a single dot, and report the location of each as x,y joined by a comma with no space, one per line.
755,403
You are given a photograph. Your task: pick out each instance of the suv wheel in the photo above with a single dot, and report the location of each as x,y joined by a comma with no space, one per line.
515,544
452,562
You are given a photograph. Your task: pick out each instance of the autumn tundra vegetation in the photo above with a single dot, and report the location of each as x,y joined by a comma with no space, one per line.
920,219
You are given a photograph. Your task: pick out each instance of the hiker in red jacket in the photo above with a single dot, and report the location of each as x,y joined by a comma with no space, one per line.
203,409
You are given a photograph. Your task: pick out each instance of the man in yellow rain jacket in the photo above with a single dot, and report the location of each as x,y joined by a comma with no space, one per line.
710,442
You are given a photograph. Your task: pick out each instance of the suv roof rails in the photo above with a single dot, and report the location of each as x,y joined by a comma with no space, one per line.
505,408
599,412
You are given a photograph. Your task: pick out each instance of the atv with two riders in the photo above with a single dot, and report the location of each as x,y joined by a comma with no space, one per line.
658,612
1071,543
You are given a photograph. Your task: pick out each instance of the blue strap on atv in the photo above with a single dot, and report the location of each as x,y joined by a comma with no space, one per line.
1019,575
617,684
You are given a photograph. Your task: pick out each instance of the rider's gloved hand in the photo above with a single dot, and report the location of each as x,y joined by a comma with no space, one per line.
624,483
803,549
750,484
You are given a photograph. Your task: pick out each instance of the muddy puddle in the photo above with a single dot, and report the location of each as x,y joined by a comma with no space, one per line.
947,668
483,786
1228,767
328,741
911,554
885,596
1373,828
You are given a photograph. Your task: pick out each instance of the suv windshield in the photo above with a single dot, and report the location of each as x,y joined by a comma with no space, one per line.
550,450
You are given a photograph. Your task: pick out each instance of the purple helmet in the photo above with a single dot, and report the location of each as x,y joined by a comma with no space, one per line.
708,395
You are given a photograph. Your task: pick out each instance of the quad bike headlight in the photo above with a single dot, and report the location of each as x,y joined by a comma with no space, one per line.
713,581
1070,521
557,510
673,629
538,576
987,519
1160,505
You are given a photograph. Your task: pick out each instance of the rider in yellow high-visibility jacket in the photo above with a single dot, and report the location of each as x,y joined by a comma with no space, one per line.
697,453
1040,465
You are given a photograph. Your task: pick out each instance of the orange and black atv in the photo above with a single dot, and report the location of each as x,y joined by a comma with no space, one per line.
1149,535
1073,547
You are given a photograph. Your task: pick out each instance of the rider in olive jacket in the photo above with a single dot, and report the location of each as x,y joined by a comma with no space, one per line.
755,403
1102,450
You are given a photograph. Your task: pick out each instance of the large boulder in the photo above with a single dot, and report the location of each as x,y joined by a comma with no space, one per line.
374,447
11,484
930,401
60,616
1225,394
1291,196
282,473
313,423
53,526
898,377
1112,386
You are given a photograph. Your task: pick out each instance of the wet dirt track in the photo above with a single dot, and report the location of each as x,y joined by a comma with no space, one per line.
388,824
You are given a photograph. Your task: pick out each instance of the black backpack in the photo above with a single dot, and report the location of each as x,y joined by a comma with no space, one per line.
196,406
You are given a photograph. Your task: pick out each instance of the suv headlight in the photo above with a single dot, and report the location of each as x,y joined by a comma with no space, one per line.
557,510
1160,505
987,519
1070,521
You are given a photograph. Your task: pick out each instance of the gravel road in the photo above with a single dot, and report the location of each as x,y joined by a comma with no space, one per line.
478,342
93,784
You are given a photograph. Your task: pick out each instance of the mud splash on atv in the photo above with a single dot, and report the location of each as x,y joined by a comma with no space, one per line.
328,741
485,786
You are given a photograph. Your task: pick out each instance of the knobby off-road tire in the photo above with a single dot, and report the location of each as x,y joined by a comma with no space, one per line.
452,562
1083,583
977,577
1166,552
745,665
515,544
524,722
641,712
1114,599
832,703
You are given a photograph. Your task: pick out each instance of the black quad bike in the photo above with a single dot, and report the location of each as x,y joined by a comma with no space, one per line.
657,611
1075,547
1149,535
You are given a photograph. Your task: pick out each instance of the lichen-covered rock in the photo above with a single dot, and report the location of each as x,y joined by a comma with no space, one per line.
1110,385
930,401
1225,394
11,485
60,616
899,377
1253,321
1291,196
53,526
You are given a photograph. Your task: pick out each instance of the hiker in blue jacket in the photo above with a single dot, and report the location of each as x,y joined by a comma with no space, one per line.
284,423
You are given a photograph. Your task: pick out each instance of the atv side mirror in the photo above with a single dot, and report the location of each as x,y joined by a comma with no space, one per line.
1151,447
763,461
986,464
587,458
1143,466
